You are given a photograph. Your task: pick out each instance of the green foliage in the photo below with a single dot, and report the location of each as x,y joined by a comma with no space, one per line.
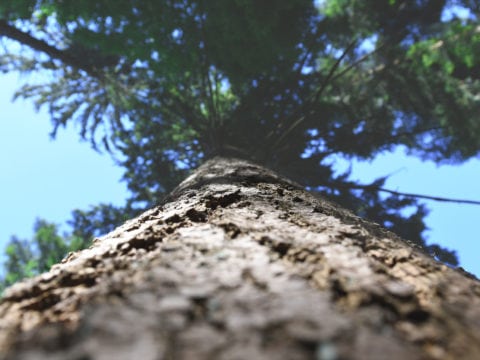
294,85
26,258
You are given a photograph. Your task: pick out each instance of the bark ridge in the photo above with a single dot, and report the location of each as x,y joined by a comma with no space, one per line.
240,263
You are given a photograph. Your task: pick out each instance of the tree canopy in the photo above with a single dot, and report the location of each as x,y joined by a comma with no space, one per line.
163,85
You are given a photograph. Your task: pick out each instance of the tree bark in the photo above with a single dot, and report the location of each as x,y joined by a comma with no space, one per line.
240,263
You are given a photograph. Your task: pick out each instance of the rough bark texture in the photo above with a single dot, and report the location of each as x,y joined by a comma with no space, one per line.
242,264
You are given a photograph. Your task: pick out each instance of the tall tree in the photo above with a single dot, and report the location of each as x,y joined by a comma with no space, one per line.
164,85
239,263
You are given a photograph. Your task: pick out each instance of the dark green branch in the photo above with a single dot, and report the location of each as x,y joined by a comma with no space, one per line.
39,45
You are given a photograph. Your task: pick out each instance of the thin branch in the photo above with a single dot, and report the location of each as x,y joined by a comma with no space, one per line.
211,94
418,196
317,95
332,71
359,61
204,65
329,79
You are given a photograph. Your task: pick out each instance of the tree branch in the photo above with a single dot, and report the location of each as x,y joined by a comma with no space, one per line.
317,95
332,71
413,195
359,61
39,45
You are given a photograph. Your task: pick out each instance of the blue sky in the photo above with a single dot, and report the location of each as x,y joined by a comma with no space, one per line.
40,177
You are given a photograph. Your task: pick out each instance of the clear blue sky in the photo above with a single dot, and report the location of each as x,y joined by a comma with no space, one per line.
44,178
40,177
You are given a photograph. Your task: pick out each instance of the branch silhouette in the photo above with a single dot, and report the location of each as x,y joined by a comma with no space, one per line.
418,196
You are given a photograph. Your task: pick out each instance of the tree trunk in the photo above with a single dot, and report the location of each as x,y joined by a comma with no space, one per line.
240,263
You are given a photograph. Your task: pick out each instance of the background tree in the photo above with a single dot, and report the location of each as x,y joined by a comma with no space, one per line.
26,258
164,85
29,257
